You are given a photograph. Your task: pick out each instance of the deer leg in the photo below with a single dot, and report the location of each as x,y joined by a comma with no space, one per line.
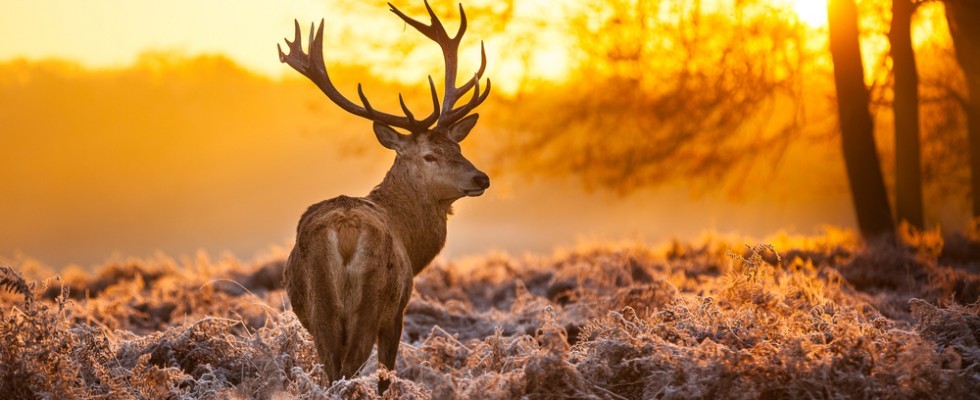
389,337
360,337
328,339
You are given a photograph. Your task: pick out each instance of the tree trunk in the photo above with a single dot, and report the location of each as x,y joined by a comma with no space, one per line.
860,155
964,27
908,175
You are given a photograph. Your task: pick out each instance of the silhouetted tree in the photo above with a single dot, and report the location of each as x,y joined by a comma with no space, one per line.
860,154
908,175
964,27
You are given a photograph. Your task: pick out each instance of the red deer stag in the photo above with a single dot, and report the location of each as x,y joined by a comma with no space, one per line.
349,276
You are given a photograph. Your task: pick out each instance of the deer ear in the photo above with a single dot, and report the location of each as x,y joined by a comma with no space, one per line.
460,129
388,137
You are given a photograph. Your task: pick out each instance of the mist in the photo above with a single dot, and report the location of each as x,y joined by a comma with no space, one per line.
176,155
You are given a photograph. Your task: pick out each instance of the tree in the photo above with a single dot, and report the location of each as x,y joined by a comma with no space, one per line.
962,16
908,175
671,90
857,137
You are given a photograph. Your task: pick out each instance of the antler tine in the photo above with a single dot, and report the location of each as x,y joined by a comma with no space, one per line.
462,23
476,100
435,104
479,73
282,56
434,30
311,64
312,40
364,100
408,113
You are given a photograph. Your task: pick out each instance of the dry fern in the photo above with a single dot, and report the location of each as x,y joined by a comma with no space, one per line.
821,317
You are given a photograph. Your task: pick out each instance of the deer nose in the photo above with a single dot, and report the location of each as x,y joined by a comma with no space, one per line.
482,180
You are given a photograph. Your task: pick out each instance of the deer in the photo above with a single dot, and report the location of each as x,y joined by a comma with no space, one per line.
351,271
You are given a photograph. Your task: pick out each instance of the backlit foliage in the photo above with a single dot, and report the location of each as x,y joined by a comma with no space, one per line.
816,317
669,89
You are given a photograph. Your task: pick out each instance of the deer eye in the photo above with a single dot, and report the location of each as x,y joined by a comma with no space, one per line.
429,158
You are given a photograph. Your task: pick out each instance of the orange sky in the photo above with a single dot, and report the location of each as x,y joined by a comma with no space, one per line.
112,33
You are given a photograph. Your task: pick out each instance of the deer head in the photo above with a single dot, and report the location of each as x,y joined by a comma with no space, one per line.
429,154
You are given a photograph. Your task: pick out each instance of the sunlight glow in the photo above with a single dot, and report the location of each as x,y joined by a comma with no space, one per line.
929,25
810,12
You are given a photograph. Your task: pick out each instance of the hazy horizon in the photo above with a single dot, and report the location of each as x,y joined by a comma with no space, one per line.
229,160
166,143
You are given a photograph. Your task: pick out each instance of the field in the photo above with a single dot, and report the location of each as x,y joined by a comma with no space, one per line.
790,317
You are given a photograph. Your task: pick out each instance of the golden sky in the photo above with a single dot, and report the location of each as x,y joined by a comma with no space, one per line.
113,33
100,33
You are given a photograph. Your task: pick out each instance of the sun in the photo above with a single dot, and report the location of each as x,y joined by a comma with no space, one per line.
810,12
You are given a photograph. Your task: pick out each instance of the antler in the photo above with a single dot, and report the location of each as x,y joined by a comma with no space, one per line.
311,65
450,47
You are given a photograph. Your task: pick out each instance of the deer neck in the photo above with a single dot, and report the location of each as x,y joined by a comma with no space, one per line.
415,218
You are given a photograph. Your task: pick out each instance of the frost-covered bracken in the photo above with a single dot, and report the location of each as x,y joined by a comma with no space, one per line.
817,317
